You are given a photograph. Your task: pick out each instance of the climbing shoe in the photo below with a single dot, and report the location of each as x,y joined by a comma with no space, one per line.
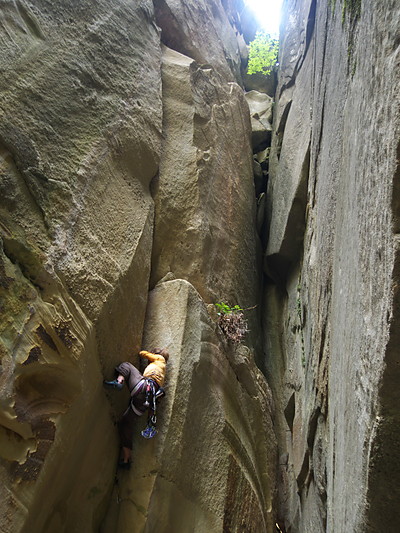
114,384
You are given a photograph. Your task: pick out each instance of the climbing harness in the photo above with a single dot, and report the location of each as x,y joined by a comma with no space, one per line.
152,395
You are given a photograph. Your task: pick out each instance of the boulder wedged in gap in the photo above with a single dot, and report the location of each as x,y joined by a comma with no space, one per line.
210,32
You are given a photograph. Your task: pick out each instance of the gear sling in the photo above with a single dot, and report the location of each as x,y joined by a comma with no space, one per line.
153,393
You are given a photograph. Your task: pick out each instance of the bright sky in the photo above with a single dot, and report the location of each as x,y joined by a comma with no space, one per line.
268,13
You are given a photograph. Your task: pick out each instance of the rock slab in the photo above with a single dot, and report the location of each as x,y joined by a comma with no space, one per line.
332,265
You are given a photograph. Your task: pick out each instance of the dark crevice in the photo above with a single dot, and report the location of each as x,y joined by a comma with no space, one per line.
384,471
322,343
276,269
290,411
30,21
46,338
25,159
317,147
310,25
24,259
312,427
281,128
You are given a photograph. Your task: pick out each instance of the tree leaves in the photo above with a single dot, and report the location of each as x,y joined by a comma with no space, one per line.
263,54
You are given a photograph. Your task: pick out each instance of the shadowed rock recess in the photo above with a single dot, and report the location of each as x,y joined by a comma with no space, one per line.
138,187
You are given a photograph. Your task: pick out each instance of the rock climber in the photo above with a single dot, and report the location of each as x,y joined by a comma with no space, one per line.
138,383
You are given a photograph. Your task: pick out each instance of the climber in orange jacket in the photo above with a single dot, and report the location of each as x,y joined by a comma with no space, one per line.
137,383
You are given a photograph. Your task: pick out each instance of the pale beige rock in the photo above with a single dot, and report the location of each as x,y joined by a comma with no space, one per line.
205,200
211,466
80,142
260,105
80,133
289,168
263,156
208,31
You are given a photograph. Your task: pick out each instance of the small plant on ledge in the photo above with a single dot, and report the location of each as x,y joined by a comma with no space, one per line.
232,322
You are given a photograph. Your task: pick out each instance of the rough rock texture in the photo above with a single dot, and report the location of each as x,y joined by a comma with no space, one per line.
260,82
204,195
81,131
332,307
80,141
207,31
211,467
260,105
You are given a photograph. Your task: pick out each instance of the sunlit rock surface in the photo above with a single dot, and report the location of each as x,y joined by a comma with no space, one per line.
84,127
204,194
332,262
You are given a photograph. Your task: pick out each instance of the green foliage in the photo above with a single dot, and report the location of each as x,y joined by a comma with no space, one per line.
232,322
263,54
224,309
352,8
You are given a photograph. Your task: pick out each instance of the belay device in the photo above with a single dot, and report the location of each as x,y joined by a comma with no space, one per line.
151,402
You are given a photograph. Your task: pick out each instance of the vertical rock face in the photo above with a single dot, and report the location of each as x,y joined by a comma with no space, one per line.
332,264
211,467
205,201
91,101
80,142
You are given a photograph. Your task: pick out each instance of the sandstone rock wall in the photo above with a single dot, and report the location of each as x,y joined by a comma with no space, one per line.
331,262
204,194
125,164
211,467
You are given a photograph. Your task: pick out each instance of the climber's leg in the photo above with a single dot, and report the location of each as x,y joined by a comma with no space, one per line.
126,455
129,373
126,427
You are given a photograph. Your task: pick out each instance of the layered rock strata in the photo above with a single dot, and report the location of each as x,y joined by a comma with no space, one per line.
332,267
91,102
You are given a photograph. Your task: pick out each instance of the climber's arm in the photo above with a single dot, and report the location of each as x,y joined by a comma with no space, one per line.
151,356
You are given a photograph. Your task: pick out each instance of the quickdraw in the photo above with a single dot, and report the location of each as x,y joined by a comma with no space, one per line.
151,402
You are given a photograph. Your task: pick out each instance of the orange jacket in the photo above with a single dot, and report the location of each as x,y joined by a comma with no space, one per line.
157,367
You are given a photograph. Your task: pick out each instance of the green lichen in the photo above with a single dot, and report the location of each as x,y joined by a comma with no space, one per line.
351,9
16,294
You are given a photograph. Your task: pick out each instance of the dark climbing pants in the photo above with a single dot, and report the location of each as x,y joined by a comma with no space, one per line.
126,424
